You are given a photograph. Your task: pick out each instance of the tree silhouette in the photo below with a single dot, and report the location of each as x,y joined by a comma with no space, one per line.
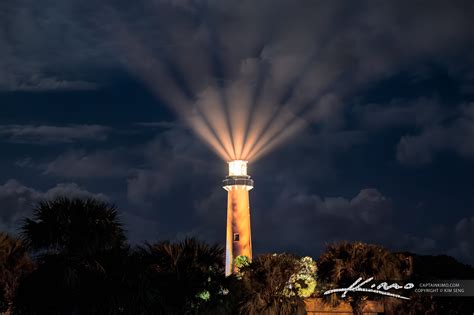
83,265
78,245
73,226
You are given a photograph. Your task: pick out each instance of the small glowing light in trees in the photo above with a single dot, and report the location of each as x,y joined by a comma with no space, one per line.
238,168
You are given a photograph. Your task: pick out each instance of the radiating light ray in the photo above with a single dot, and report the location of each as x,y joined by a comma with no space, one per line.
210,122
265,130
255,100
279,123
278,103
208,136
209,103
236,118
230,131
283,108
283,136
239,102
264,112
152,72
263,115
288,120
303,114
219,69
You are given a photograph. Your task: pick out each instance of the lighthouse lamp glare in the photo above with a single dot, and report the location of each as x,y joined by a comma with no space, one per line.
238,168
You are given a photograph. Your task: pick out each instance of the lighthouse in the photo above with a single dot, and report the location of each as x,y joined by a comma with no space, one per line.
238,235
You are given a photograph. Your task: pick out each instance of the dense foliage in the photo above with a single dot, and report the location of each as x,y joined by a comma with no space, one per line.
81,263
14,264
342,263
180,278
260,286
78,247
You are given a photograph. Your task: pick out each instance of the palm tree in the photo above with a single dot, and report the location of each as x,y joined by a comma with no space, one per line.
261,286
76,226
343,263
78,244
181,278
14,264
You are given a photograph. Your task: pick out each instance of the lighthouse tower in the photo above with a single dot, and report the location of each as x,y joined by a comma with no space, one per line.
238,238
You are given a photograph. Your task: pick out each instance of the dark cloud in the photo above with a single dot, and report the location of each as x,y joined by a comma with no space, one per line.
157,124
300,216
174,167
399,113
464,240
417,244
280,53
18,200
307,222
79,164
47,134
434,127
46,46
37,84
245,57
455,135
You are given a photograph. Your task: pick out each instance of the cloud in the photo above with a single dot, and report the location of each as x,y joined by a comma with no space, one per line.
304,223
464,240
157,124
294,56
279,66
400,113
454,135
46,48
419,149
38,84
47,134
300,216
433,127
18,200
171,158
417,244
25,162
82,165
71,190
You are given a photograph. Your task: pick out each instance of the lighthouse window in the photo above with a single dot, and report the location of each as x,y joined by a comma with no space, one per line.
236,237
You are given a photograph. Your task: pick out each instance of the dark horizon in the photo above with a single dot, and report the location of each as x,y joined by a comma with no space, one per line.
386,156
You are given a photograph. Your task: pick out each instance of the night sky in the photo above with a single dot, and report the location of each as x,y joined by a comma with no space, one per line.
387,156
